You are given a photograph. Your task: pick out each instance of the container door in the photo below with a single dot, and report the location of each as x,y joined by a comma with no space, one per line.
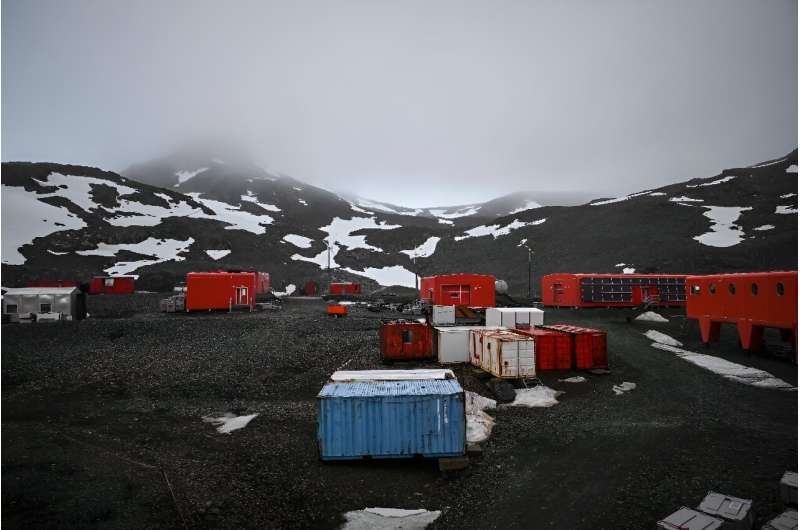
558,293
241,296
455,295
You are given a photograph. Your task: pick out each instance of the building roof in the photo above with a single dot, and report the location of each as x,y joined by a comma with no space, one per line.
40,290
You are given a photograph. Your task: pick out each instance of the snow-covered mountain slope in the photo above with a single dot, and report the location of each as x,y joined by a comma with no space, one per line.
71,222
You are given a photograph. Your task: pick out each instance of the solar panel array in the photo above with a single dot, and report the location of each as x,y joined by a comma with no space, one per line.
595,289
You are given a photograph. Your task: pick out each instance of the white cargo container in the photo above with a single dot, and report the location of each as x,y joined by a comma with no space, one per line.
503,353
451,343
514,317
785,521
688,519
789,488
443,315
738,513
44,304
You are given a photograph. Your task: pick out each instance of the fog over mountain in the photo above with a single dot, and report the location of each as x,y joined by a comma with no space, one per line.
414,103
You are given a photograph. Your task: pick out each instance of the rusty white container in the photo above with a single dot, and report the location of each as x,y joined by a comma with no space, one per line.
514,317
737,513
688,519
451,343
503,353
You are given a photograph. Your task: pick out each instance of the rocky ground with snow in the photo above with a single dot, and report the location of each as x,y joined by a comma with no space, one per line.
103,426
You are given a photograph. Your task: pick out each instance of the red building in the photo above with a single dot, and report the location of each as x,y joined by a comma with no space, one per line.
340,288
752,301
112,285
401,341
473,290
53,283
221,290
613,290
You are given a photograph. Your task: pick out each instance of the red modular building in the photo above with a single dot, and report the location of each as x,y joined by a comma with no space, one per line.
221,290
553,348
403,340
613,290
112,285
473,290
339,288
752,301
589,347
53,283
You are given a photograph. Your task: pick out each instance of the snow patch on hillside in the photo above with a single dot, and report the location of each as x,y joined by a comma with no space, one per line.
425,250
26,218
340,231
788,209
298,241
620,199
320,259
232,215
724,233
289,290
496,230
394,275
251,197
792,169
657,194
449,213
788,195
161,250
218,254
684,198
713,182
764,227
184,175
529,205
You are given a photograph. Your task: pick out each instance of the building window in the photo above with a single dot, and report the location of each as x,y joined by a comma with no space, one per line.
732,288
779,288
712,288
11,308
407,336
695,289
754,288
44,308
108,282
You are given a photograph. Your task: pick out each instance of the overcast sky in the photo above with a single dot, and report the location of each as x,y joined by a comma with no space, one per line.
460,100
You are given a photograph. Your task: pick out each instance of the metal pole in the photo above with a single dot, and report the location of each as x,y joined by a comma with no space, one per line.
530,296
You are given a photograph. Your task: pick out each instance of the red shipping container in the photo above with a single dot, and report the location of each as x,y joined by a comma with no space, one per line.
753,301
112,285
340,288
589,346
53,283
310,289
473,290
613,290
401,341
220,290
553,349
337,310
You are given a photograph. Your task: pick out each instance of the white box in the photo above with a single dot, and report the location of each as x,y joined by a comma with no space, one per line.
785,521
514,317
789,488
736,512
688,519
503,353
443,315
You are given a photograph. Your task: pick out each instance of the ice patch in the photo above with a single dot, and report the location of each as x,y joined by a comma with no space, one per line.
290,289
785,209
714,182
538,396
298,241
496,230
622,388
724,233
729,370
229,422
479,424
184,175
684,198
425,250
764,227
620,199
389,519
394,275
529,205
162,250
576,379
662,338
651,316
217,254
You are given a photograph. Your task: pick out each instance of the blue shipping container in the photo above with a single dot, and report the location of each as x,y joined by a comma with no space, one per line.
391,419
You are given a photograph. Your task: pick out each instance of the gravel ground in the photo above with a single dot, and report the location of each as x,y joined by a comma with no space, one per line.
102,428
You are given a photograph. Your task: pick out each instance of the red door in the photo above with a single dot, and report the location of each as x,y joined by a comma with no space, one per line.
455,295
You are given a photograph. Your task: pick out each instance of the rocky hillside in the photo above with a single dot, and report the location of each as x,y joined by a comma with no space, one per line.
201,212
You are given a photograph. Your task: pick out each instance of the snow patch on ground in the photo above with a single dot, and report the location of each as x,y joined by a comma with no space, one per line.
184,175
25,218
788,195
628,270
394,275
662,338
479,424
529,205
444,221
651,316
792,169
218,254
764,227
320,259
162,250
389,519
53,252
724,233
250,197
785,209
576,379
538,396
657,194
449,213
620,199
729,370
623,387
340,230
289,290
301,201
713,182
425,250
236,218
496,230
229,422
298,241
372,205
684,198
